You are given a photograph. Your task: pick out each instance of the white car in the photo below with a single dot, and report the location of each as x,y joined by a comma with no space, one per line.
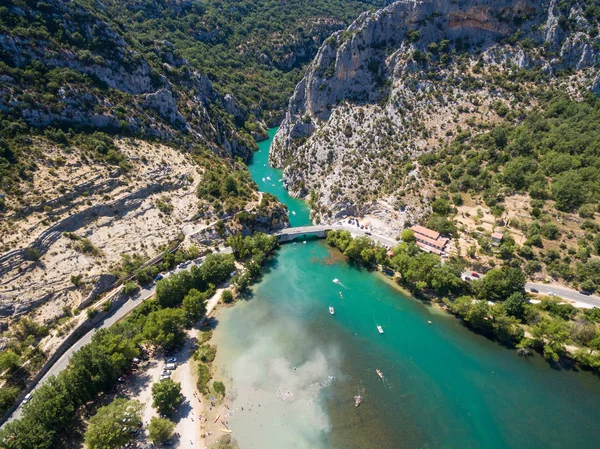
26,398
551,294
164,377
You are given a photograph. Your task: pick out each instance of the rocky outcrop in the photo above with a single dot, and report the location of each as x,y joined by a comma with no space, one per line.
89,76
375,90
101,284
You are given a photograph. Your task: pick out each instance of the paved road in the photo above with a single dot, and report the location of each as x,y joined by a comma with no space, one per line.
117,315
582,301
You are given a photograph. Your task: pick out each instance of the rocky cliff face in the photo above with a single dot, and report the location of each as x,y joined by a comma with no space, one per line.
396,83
65,66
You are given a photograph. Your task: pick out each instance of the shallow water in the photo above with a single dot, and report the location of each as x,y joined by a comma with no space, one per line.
445,386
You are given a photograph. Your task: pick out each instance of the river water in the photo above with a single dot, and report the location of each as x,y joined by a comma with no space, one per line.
295,369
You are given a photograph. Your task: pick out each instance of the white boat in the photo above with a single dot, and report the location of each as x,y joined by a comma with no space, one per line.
357,401
280,180
268,178
263,179
337,281
331,310
380,329
293,212
304,242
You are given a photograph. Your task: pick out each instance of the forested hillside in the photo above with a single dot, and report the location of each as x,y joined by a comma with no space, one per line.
255,50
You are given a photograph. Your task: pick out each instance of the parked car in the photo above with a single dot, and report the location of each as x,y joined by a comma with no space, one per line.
166,373
475,275
551,294
170,366
158,277
163,377
583,292
534,290
467,278
26,398
368,233
172,360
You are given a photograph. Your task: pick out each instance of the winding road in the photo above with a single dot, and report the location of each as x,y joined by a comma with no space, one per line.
116,316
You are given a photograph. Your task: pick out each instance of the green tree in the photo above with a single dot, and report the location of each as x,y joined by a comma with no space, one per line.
113,425
8,396
441,207
171,291
165,327
499,283
194,306
219,388
407,235
9,360
227,297
552,334
166,395
515,305
567,190
160,429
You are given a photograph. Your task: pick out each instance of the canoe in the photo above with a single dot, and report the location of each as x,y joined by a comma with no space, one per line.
225,430
217,418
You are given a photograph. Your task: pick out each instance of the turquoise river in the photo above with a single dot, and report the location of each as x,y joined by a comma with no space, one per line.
295,369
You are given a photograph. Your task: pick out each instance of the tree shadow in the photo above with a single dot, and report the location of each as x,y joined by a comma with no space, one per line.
183,411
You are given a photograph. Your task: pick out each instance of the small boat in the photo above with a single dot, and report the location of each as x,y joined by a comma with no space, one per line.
293,212
331,310
304,242
263,180
429,322
217,418
225,430
380,329
295,243
379,373
337,281
268,178
341,296
357,401
280,180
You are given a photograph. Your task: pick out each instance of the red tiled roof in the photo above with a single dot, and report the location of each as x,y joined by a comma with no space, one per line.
426,232
497,235
431,249
438,243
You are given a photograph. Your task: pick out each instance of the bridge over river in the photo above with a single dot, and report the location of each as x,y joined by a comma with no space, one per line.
289,234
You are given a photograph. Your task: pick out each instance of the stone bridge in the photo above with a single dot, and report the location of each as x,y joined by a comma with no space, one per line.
289,234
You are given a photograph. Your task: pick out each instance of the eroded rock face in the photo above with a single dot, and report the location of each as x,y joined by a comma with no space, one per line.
110,85
381,90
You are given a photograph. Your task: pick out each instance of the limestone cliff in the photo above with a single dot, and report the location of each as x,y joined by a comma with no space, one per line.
391,87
